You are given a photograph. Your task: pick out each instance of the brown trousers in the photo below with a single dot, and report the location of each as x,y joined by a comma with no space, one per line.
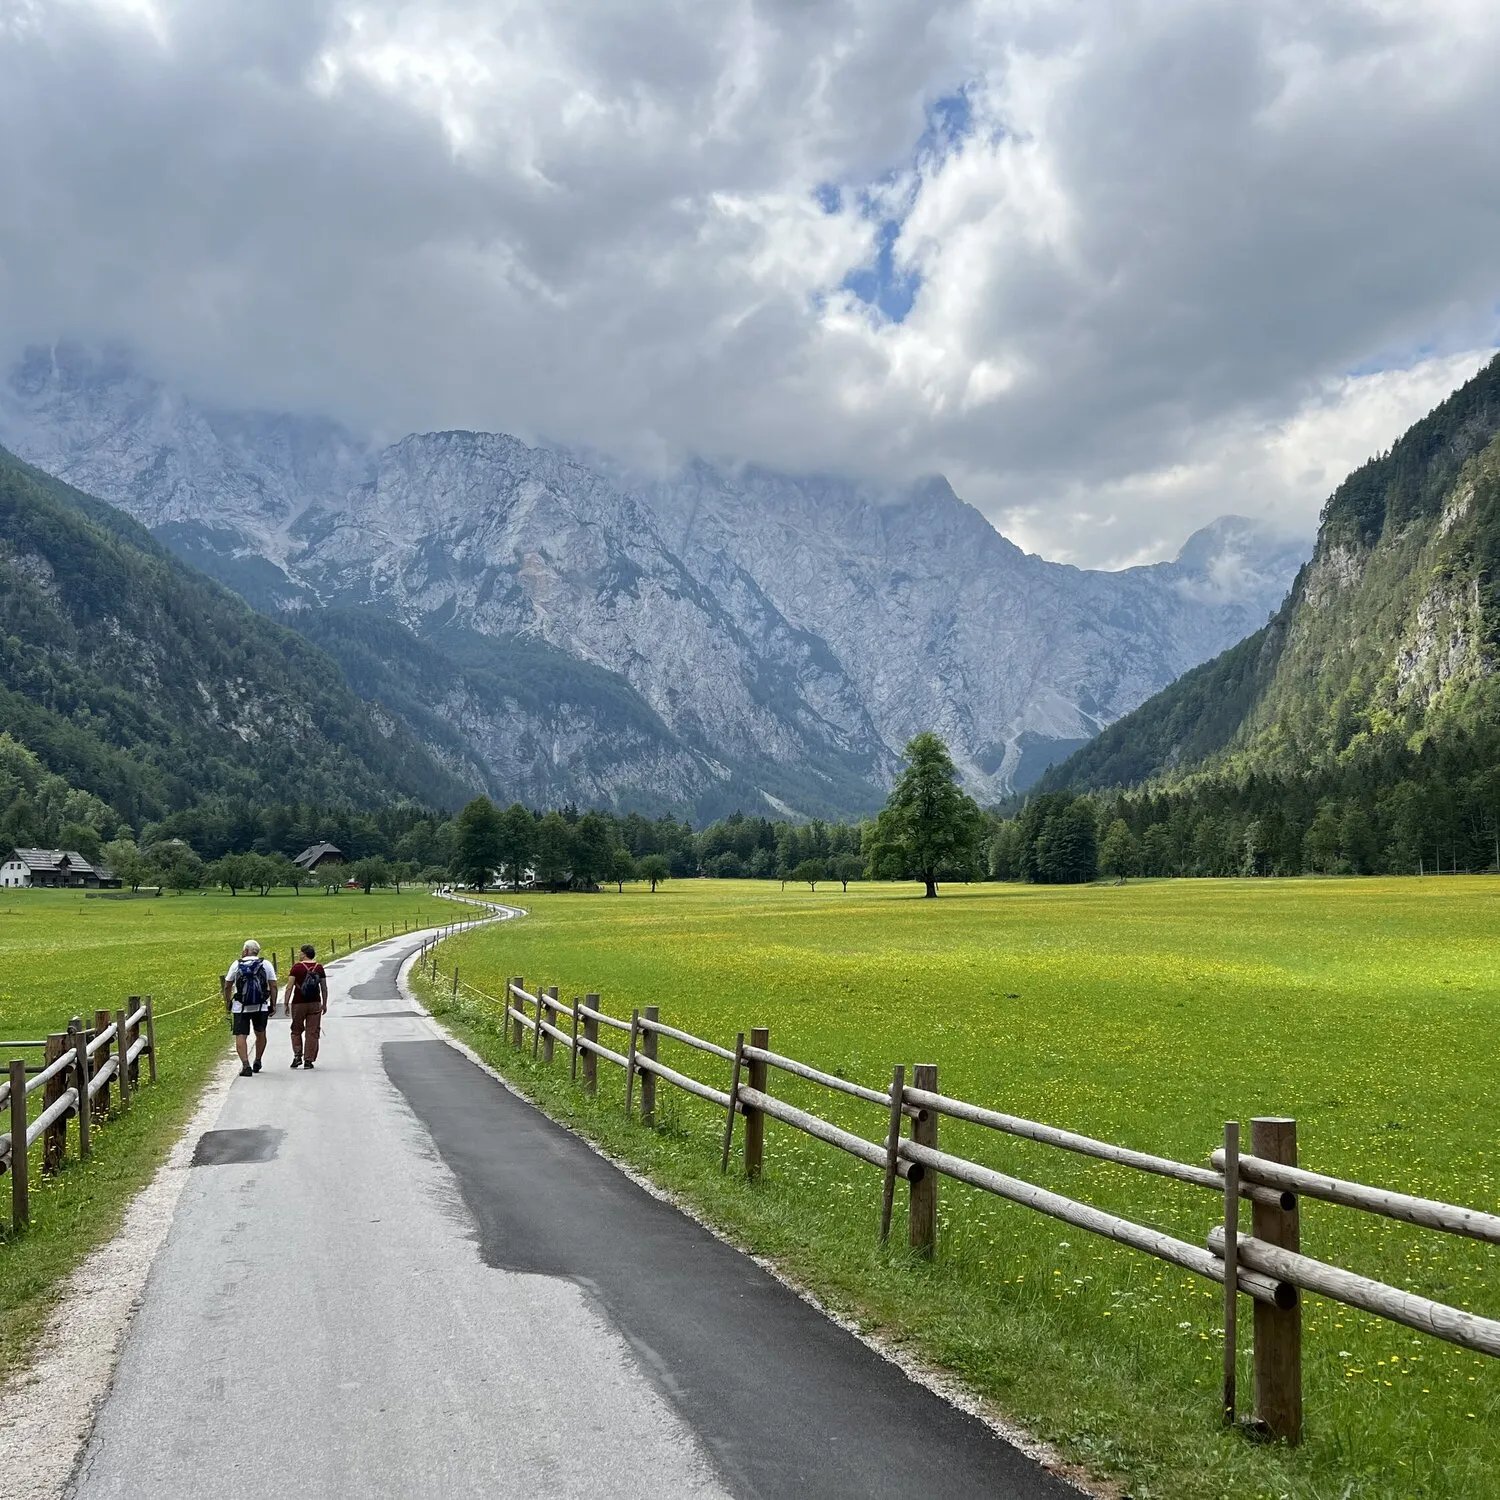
307,1015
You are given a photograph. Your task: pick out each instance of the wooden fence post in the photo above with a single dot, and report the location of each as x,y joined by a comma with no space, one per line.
20,1185
133,1004
1231,1264
536,1031
635,1030
151,1039
573,1066
102,1022
755,1121
549,1041
734,1100
122,1073
649,1040
1278,1331
455,984
892,1145
518,983
55,1137
921,1220
591,1034
81,1083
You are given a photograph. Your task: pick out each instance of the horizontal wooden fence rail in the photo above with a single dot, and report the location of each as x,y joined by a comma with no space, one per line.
1426,1212
81,1066
1267,1265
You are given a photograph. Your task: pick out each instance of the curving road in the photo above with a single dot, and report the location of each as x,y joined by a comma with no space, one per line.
391,1277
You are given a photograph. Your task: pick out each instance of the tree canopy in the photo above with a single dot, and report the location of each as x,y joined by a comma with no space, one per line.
480,846
929,825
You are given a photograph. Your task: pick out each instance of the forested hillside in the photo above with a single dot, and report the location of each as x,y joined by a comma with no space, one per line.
144,684
1360,729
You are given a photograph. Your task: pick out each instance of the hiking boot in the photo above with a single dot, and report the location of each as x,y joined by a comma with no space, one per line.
296,1062
255,1067
308,1063
246,1070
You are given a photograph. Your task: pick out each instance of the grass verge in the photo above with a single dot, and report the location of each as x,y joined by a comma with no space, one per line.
1146,1015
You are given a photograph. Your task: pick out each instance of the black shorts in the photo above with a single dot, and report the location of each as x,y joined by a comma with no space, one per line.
242,1020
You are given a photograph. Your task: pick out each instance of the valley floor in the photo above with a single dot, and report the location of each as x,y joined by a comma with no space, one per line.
1145,1014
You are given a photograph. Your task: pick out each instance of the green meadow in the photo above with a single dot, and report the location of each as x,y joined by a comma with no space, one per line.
1146,1014
64,954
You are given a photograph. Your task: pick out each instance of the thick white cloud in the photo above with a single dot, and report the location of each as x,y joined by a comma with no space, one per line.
1148,249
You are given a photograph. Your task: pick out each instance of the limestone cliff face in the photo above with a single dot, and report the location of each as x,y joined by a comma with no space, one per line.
1391,632
739,636
941,623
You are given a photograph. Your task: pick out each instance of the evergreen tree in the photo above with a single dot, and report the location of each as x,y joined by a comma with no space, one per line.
1320,845
1117,854
554,850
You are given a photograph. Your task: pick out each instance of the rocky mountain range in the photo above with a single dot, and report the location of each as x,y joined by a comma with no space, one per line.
552,630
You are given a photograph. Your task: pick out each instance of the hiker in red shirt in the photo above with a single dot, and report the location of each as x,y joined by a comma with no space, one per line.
307,999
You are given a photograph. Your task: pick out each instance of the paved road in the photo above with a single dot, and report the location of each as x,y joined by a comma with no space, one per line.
390,1278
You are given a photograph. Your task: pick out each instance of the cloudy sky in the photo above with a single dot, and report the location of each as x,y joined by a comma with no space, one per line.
1113,268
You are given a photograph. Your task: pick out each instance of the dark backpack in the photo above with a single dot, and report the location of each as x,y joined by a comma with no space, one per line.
309,991
250,984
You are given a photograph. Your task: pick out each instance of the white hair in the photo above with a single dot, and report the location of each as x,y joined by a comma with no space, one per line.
250,950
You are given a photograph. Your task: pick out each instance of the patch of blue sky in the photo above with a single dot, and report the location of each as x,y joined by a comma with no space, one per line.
881,283
1458,340
1395,359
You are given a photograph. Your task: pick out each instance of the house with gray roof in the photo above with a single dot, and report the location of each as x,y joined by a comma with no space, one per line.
316,856
53,868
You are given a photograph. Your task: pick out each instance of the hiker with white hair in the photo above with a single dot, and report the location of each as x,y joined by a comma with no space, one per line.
249,992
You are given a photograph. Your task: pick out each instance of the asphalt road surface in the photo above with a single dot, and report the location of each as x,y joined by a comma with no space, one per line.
390,1277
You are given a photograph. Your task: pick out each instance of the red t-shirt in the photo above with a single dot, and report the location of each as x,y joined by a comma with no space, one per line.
300,970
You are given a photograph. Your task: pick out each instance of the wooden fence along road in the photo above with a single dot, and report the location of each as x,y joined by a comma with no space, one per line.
1267,1265
79,1067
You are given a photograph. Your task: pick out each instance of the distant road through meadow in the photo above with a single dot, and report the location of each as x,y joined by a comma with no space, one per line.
393,1277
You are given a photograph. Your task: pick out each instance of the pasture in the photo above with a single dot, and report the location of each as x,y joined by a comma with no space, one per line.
1146,1014
62,954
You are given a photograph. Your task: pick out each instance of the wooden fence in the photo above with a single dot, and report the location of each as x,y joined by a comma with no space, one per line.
80,1070
1267,1265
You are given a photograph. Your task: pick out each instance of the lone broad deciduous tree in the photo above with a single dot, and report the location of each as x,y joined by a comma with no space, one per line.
929,823
480,845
